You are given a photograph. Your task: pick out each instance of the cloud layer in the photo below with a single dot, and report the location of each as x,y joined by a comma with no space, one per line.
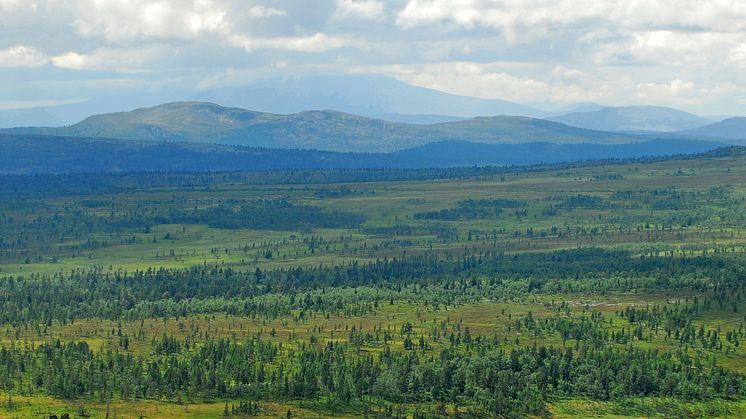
682,53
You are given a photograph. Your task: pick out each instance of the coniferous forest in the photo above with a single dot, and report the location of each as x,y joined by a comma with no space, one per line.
602,289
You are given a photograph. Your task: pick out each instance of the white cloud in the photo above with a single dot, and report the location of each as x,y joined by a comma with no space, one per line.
507,15
360,9
550,51
317,42
681,47
22,56
263,11
560,85
123,21
121,60
665,48
72,60
737,55
512,14
567,73
488,81
163,20
677,91
8,5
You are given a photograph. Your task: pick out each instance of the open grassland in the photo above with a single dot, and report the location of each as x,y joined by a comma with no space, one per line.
645,207
647,408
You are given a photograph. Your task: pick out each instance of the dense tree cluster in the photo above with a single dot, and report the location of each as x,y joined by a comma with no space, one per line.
491,380
166,292
471,209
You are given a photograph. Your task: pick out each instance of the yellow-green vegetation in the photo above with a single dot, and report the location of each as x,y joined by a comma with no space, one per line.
633,206
648,408
581,291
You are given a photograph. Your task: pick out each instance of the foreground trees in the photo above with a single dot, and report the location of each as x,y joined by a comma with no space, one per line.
482,374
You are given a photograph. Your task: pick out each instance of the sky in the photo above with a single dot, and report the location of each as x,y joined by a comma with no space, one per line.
688,54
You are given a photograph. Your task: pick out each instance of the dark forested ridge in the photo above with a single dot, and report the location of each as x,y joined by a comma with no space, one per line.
459,153
23,154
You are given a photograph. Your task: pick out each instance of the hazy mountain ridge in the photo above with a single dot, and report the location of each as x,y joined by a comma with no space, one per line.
517,129
361,94
633,119
323,130
27,117
371,95
418,119
728,129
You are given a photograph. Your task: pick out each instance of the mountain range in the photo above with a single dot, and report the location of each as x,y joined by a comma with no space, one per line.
322,130
372,96
198,135
369,95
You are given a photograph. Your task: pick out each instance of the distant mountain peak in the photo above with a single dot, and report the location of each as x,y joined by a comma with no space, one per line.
370,95
728,129
633,119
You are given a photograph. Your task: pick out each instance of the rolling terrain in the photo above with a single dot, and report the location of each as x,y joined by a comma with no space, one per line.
591,290
372,209
321,130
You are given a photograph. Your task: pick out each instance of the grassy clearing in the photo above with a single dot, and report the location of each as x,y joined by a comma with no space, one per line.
648,408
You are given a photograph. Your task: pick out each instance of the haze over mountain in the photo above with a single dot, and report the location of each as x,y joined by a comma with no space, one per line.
418,119
360,94
518,129
374,96
76,111
728,129
27,117
633,119
322,130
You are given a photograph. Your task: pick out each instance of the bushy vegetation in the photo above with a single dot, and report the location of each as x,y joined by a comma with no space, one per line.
482,293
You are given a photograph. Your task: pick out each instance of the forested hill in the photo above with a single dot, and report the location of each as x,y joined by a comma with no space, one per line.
322,130
27,154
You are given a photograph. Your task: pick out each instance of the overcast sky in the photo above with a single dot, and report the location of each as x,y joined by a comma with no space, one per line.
689,54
